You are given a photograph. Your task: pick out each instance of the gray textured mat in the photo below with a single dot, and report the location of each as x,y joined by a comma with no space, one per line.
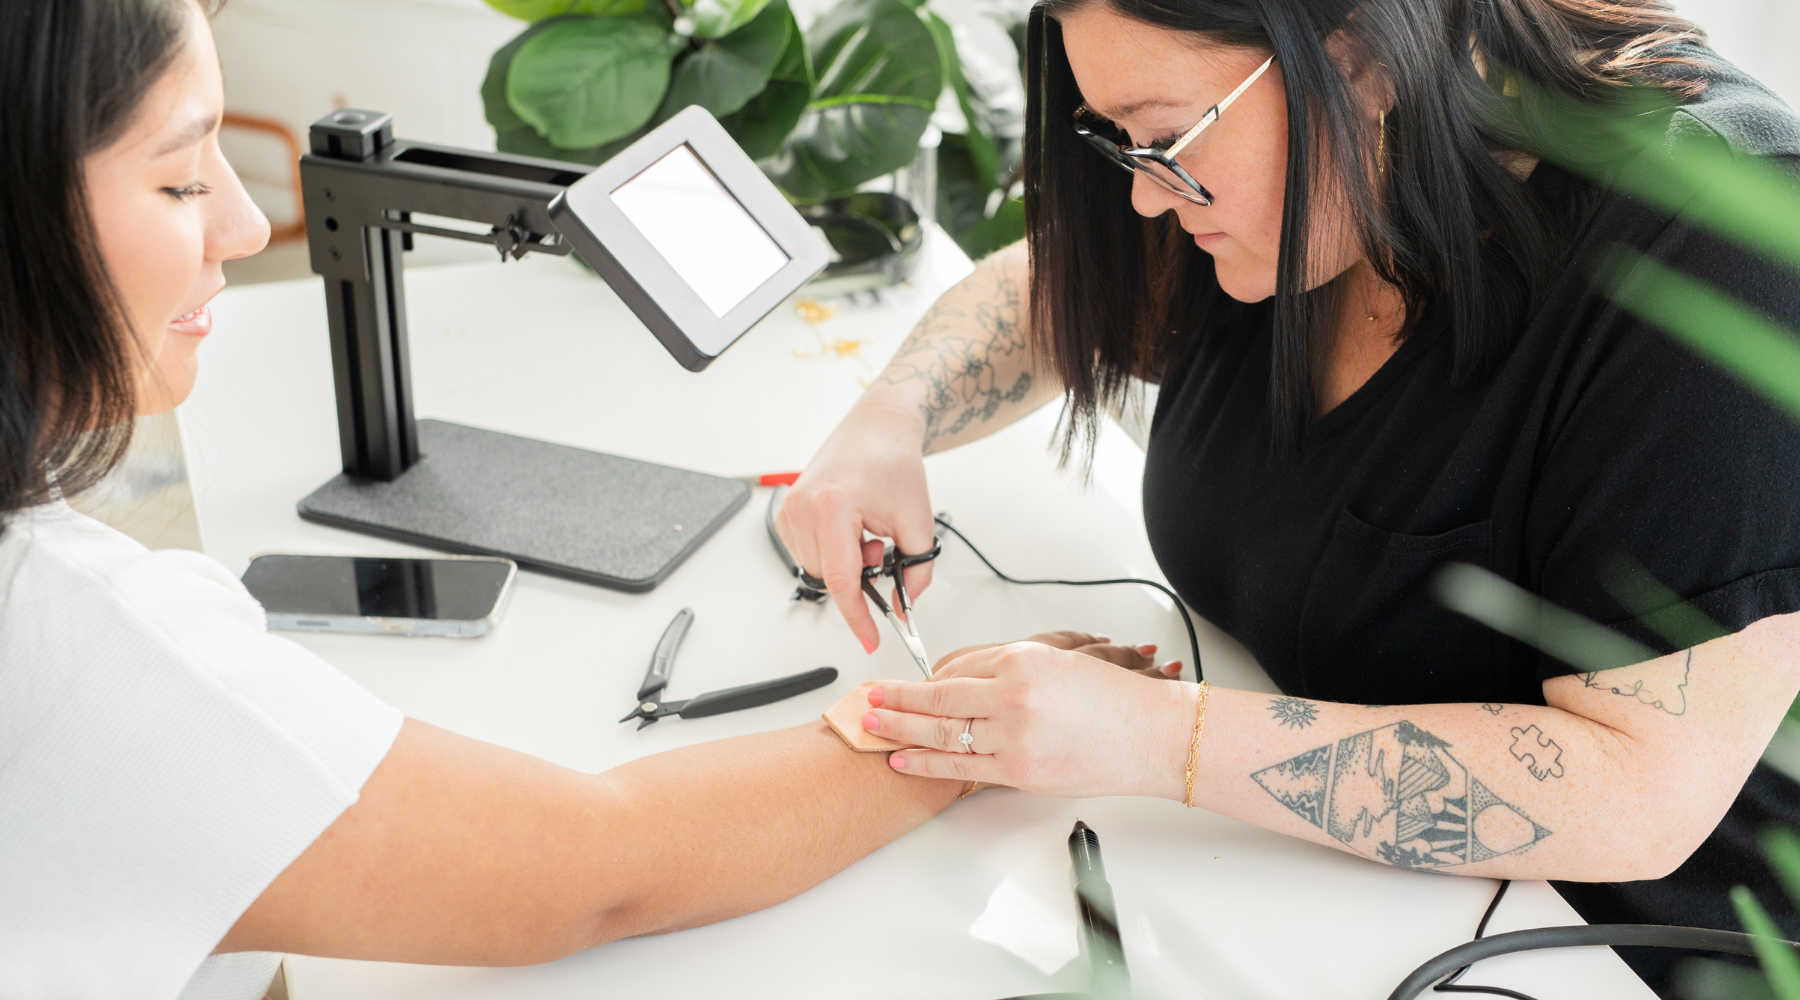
581,514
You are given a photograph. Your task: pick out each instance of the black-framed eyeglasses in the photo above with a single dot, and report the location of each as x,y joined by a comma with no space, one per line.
1159,164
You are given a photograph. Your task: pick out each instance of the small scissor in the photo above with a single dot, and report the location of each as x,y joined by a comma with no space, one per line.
892,564
651,707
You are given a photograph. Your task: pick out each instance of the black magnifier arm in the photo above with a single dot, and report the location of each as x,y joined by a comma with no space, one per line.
752,695
361,187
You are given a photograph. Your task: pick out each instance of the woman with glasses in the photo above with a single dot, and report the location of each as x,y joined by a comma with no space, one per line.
1400,270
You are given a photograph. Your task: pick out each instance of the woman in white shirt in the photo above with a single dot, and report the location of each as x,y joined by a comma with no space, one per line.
175,783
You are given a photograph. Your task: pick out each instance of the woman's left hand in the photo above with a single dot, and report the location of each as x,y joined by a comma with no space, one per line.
1047,720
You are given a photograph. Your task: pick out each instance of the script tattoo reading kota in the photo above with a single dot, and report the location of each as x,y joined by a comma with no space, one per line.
1397,794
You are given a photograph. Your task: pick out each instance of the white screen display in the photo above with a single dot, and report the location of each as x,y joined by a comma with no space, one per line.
700,229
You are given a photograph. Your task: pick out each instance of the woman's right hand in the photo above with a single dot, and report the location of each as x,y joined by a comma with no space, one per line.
868,476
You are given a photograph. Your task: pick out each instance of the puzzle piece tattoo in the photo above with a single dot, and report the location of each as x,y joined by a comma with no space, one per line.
1396,794
1542,755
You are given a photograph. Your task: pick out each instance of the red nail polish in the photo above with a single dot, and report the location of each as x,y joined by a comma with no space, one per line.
896,762
876,697
868,647
871,722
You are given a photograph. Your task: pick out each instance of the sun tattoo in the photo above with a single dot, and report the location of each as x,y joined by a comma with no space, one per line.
1294,712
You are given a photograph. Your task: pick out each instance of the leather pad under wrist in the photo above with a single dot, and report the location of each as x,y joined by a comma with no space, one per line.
845,719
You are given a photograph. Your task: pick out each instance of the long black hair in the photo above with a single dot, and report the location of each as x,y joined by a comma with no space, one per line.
72,75
1465,243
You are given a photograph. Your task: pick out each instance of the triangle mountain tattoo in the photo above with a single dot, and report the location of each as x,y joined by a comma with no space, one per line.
1398,795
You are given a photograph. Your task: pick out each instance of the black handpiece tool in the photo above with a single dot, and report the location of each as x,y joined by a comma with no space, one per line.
1099,933
652,707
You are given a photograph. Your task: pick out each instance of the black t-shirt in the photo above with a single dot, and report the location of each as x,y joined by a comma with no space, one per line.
1598,437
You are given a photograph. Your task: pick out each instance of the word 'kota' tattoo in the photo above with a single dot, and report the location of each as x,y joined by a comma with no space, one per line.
1396,794
1294,712
1491,708
1660,683
962,372
1542,755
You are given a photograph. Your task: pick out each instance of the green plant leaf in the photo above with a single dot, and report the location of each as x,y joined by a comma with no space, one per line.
538,10
879,76
962,189
718,18
997,232
763,125
586,81
724,74
513,134
980,136
1778,961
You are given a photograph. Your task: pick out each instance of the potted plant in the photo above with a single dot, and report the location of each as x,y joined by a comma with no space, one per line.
825,111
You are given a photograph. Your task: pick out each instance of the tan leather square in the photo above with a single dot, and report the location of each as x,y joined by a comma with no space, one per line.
845,719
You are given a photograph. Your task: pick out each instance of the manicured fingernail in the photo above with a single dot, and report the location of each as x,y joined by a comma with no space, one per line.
877,696
1172,668
1147,649
896,762
871,722
1102,638
868,647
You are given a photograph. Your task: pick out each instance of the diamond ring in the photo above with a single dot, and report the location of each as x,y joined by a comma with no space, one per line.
966,737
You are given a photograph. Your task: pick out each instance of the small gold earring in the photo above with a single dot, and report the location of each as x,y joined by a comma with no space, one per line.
1381,142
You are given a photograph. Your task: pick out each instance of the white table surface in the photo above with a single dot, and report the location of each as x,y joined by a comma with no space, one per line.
976,903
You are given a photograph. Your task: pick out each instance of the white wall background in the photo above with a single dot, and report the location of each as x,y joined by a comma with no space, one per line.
1761,36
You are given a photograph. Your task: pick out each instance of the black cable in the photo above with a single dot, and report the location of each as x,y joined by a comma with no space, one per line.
1449,985
1638,935
1193,642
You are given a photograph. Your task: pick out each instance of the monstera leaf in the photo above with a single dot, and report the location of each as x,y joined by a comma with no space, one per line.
763,124
585,81
879,75
538,10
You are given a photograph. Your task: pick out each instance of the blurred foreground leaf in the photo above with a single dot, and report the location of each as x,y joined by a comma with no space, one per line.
1639,141
1512,610
1778,960
1662,610
1754,347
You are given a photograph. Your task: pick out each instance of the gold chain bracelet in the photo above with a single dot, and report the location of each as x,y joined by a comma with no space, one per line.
1193,757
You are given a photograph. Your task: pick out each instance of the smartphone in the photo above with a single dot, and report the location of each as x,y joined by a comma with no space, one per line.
451,595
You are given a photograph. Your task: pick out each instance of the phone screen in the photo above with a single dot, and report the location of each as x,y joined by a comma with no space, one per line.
447,589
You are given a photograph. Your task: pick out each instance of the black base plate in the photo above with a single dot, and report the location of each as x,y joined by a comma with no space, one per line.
579,514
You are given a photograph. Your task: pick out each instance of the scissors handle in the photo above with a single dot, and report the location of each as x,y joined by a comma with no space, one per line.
760,693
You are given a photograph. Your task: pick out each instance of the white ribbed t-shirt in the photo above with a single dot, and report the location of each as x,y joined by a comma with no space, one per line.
162,759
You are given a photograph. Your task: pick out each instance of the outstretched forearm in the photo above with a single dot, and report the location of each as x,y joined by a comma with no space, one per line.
464,853
968,368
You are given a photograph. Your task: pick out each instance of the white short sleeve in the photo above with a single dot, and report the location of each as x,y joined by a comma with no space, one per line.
162,758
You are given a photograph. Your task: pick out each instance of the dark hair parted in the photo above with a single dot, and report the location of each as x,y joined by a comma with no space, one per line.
72,75
1113,293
